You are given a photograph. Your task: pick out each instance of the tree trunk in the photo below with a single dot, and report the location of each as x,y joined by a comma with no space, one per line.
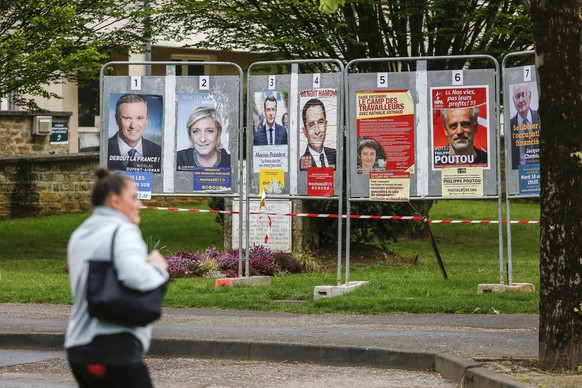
558,37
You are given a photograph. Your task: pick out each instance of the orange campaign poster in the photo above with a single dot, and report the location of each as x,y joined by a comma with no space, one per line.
460,126
385,131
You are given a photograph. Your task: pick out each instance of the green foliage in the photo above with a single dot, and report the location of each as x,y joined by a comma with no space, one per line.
49,41
205,268
349,29
304,260
217,203
329,6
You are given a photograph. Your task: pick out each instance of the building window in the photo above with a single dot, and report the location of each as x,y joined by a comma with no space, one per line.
190,65
88,99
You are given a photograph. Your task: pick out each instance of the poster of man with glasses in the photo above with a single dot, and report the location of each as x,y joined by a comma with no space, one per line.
524,125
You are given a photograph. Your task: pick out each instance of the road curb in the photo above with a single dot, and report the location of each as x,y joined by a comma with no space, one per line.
459,370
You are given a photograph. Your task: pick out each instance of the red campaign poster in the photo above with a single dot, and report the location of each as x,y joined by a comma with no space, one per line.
465,139
320,181
385,131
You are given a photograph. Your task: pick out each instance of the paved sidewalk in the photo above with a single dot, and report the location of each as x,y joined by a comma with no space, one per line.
451,344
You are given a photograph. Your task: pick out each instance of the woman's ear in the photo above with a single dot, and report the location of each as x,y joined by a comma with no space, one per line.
112,201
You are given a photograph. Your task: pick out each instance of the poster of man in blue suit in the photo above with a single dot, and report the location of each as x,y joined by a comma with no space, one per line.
132,118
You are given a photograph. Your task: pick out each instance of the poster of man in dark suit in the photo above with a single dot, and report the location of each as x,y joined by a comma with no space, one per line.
314,128
127,149
270,133
525,127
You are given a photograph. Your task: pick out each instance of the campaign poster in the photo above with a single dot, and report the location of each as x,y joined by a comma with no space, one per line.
271,181
143,183
270,132
390,186
202,139
529,179
212,179
466,182
320,181
385,131
524,125
318,129
460,126
135,129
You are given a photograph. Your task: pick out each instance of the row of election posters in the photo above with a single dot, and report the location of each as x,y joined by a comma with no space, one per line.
460,125
203,139
316,134
460,133
135,133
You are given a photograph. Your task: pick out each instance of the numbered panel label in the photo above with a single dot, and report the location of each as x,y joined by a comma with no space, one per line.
382,80
457,77
204,82
272,83
135,82
316,80
527,70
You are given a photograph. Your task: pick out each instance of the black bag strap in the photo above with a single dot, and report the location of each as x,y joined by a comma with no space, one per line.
113,243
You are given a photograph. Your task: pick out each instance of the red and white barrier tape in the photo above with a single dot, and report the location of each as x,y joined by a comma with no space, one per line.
353,216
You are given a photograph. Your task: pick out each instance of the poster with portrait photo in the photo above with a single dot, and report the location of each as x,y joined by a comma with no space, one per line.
385,131
371,156
270,136
318,128
202,133
135,129
465,142
524,124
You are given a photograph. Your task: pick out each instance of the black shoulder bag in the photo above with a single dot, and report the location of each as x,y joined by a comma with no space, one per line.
111,301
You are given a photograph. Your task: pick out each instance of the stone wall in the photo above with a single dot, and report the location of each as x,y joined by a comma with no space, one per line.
47,185
17,139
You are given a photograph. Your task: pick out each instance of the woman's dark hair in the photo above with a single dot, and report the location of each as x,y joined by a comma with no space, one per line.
107,183
367,143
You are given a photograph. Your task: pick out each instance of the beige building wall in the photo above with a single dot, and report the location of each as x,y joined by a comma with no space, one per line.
68,102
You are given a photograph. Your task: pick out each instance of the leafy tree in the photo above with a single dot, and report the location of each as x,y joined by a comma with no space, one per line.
558,36
49,41
289,29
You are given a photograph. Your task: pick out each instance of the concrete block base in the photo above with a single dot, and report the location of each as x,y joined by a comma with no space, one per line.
331,291
244,281
522,287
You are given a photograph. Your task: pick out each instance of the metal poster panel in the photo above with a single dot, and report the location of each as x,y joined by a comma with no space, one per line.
134,131
460,127
202,141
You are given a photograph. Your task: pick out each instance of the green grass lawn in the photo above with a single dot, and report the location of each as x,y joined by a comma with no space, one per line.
33,255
